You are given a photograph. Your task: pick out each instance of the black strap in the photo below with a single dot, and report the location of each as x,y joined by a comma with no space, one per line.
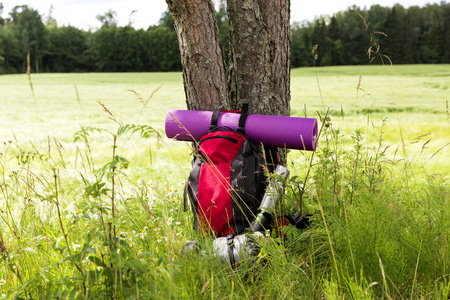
215,117
243,118
230,245
185,208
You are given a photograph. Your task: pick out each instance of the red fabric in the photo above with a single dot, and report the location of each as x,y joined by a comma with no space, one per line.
214,198
231,111
279,224
228,149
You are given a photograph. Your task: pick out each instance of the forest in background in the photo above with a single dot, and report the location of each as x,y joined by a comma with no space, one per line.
414,35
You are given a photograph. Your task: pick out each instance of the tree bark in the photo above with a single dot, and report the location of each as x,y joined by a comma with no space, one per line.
260,55
259,62
202,59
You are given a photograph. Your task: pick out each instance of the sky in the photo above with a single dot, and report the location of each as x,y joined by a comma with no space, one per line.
144,13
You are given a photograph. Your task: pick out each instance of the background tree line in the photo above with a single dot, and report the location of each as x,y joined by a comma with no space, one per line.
406,35
414,35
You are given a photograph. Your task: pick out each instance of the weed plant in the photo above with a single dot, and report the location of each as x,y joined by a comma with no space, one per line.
79,220
74,228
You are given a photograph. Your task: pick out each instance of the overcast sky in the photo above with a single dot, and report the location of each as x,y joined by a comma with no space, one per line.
82,13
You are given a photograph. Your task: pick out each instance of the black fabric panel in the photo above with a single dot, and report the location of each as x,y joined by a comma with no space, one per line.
192,188
246,182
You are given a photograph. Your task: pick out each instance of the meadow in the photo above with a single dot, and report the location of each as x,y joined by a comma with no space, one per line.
91,190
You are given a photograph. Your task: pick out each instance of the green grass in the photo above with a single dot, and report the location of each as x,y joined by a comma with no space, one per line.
378,190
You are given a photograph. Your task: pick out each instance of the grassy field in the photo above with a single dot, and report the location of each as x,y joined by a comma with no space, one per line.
102,215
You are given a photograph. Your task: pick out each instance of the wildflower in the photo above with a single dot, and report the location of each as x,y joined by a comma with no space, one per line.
76,246
169,221
118,250
150,202
140,251
73,226
2,281
142,235
140,181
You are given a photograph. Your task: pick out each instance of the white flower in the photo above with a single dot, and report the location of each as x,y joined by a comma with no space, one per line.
2,281
140,181
142,235
76,246
169,221
150,202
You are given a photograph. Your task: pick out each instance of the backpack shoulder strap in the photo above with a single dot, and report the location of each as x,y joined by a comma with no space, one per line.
243,118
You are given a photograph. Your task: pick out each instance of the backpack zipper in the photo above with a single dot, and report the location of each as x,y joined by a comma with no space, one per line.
235,141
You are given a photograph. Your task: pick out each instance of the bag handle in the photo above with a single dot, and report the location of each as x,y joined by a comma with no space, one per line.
215,117
243,118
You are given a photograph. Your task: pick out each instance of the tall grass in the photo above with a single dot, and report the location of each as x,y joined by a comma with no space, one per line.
82,216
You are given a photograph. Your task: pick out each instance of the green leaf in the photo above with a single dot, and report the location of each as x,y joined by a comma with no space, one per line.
160,260
97,261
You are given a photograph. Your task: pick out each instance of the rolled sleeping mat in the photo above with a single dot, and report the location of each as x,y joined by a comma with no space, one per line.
272,131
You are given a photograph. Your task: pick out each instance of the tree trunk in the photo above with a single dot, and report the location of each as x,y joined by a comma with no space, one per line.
259,62
202,60
260,55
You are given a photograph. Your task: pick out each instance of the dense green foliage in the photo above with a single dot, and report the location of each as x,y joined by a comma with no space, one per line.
404,36
69,49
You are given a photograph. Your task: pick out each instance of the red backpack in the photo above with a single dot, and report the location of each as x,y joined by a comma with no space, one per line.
227,180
